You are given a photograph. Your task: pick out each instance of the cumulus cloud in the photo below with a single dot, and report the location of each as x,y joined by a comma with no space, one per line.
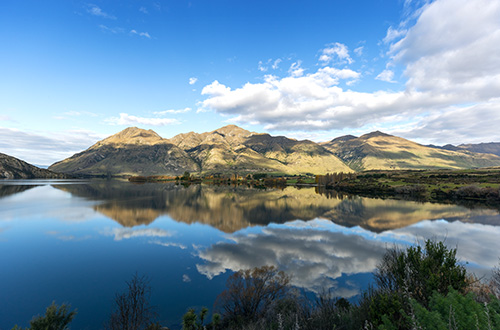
126,233
193,80
97,11
337,53
126,119
386,75
38,148
474,124
141,34
450,57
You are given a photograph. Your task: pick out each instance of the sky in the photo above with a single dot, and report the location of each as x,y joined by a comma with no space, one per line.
73,72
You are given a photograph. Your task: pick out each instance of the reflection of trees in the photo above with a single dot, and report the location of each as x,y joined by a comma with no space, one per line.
231,208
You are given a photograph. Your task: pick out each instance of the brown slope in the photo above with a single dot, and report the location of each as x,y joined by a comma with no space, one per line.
233,149
380,151
13,168
133,151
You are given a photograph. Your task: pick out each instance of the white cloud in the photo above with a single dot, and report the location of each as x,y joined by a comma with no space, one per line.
359,51
114,30
315,258
386,75
126,119
296,70
393,34
261,67
141,34
276,63
97,11
126,233
169,244
172,111
143,10
186,278
450,57
45,149
336,53
193,80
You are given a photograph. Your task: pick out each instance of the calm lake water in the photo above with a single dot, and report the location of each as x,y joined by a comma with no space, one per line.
79,242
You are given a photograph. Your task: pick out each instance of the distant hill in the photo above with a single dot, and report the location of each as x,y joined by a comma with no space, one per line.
483,148
13,168
133,151
381,151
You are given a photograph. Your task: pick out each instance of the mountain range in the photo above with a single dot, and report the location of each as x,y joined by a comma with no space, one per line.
231,149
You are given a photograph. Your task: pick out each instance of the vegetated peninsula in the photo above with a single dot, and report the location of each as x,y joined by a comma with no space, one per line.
13,168
231,149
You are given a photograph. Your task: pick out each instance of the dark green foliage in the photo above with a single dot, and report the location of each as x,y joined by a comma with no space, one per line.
55,318
191,321
419,271
456,311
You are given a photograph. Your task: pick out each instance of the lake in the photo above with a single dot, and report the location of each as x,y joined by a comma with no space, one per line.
80,241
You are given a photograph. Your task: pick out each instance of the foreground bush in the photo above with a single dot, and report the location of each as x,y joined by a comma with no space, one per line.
55,318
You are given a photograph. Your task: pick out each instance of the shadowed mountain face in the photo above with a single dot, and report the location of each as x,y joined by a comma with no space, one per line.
230,208
380,151
13,168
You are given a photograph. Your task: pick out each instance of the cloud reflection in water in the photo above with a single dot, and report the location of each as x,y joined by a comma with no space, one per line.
318,253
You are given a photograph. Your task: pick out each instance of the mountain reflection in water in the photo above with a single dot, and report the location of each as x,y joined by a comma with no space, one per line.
232,208
189,239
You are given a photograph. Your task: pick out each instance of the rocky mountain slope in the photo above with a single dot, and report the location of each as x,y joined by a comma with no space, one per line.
13,168
231,149
234,149
133,151
380,151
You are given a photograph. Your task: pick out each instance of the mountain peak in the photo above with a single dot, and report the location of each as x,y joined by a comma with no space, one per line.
133,135
232,130
374,134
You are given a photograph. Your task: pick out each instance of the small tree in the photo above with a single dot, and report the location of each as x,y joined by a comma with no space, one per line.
55,318
251,292
190,322
132,310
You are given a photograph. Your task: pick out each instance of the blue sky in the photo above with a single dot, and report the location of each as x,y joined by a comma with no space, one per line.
74,72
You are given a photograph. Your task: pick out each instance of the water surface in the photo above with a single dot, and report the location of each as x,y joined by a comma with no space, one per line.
79,241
